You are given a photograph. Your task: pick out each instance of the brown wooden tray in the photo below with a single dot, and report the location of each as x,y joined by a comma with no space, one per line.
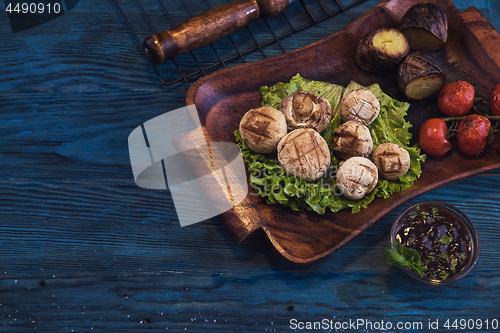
472,53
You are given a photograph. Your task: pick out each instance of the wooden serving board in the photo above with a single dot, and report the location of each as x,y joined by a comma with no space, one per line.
472,53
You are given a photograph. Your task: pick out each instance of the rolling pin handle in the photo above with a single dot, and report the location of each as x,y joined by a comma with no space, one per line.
160,47
208,27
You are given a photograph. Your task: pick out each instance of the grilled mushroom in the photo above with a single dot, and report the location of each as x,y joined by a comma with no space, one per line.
304,153
262,129
361,105
352,138
392,160
303,109
357,177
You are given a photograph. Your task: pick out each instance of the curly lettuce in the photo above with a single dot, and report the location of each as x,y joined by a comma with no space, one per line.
269,180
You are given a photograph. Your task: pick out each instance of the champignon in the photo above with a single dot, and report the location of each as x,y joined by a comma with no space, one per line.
262,129
392,160
352,138
303,109
361,105
356,177
304,153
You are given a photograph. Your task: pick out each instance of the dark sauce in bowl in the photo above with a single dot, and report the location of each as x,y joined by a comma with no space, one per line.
444,237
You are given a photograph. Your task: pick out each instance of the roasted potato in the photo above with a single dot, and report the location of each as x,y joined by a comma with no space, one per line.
381,50
420,76
425,26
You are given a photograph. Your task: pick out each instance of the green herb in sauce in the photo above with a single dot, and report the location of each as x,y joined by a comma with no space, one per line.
439,238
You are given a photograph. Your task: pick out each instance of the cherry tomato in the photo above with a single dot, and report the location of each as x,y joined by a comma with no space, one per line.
495,101
432,137
472,134
456,98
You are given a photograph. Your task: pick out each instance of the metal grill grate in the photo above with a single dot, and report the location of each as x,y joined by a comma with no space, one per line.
260,39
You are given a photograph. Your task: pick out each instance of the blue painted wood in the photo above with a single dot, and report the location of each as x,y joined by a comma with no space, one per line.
82,248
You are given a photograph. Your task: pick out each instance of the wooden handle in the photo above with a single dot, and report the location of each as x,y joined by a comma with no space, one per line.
208,27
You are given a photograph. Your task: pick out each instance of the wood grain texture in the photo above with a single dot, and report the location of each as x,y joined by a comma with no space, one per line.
83,249
306,236
208,27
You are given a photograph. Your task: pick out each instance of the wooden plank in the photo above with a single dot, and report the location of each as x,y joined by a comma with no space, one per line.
83,249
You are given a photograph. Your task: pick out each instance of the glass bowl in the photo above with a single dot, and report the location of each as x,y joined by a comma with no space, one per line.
437,218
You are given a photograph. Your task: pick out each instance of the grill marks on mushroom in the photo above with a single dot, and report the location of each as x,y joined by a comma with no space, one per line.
360,105
352,138
303,109
392,160
357,177
304,153
262,129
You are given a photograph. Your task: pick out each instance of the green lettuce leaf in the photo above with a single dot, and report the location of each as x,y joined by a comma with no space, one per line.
269,180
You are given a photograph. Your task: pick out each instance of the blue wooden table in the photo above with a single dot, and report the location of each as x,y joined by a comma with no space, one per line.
83,249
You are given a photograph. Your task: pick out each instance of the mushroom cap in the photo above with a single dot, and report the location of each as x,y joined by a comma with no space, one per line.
262,129
392,160
357,177
304,153
352,138
361,105
303,109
